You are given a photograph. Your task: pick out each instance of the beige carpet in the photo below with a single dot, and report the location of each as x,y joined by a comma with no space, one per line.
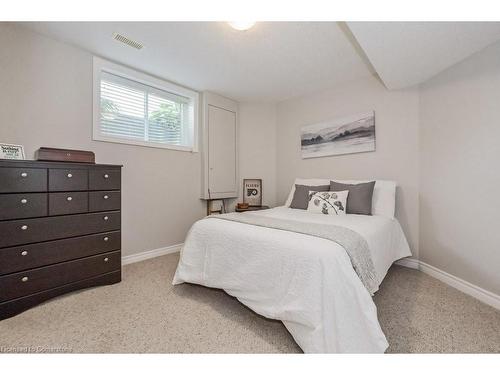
145,313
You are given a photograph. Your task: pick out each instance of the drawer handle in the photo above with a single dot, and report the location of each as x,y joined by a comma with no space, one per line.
106,259
24,253
24,201
24,174
69,199
24,279
106,175
105,197
24,227
106,239
105,218
69,175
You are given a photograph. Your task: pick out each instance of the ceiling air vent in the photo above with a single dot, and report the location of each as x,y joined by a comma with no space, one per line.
127,41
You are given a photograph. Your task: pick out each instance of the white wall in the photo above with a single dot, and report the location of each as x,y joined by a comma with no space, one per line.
396,157
46,100
258,147
460,170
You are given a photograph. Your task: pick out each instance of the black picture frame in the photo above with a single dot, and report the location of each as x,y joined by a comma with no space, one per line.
252,192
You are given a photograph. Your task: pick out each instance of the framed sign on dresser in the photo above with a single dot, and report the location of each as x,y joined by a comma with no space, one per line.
60,230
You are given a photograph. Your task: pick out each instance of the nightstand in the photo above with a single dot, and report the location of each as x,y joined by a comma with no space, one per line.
251,208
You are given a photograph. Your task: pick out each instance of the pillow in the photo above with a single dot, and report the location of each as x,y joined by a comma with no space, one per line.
314,184
328,202
384,193
360,196
301,195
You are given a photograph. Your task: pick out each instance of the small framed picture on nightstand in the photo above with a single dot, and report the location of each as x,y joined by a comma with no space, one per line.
252,192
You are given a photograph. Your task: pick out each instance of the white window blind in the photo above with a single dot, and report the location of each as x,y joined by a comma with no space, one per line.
138,112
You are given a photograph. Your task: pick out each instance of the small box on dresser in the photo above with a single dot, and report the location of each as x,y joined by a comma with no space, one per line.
60,230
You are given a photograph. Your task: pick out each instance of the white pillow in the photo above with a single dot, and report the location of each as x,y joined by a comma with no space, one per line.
384,193
328,202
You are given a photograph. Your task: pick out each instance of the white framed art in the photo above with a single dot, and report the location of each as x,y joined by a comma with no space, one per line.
11,152
346,135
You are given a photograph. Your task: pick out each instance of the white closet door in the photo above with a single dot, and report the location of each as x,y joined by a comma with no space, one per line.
221,150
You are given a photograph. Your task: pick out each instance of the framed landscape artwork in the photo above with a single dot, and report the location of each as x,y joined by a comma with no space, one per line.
339,136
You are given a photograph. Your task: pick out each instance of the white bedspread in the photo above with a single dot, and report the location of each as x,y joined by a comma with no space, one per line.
307,282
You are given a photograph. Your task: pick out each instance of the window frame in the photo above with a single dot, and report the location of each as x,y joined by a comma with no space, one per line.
100,65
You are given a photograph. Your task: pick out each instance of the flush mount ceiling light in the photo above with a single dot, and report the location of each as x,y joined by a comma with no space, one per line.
241,25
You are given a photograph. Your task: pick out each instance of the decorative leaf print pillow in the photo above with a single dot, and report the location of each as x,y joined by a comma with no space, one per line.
328,202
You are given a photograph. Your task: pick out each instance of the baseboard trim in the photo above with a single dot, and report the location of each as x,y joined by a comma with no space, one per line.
139,257
466,287
409,263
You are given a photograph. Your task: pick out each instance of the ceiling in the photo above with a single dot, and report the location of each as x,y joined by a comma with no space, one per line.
274,61
408,53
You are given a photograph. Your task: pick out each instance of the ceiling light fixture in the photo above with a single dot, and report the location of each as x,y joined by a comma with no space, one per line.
241,25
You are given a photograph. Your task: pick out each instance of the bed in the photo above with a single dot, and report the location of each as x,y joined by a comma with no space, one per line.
305,281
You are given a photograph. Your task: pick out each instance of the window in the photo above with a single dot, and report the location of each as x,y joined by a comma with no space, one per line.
133,108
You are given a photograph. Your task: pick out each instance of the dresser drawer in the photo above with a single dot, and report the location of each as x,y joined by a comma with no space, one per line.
104,201
18,232
104,179
14,180
68,179
18,305
17,206
32,281
19,258
68,203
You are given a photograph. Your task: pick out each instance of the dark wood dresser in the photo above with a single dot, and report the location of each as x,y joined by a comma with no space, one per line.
59,230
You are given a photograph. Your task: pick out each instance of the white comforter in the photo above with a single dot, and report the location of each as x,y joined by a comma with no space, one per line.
306,282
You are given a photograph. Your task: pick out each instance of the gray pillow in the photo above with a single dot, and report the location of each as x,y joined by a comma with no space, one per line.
359,199
301,195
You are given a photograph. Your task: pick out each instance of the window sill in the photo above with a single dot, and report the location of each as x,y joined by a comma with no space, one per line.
132,142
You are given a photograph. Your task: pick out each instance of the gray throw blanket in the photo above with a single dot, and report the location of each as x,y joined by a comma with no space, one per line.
353,243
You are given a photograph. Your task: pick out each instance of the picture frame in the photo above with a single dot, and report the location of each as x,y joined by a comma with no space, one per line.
339,136
252,192
11,152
